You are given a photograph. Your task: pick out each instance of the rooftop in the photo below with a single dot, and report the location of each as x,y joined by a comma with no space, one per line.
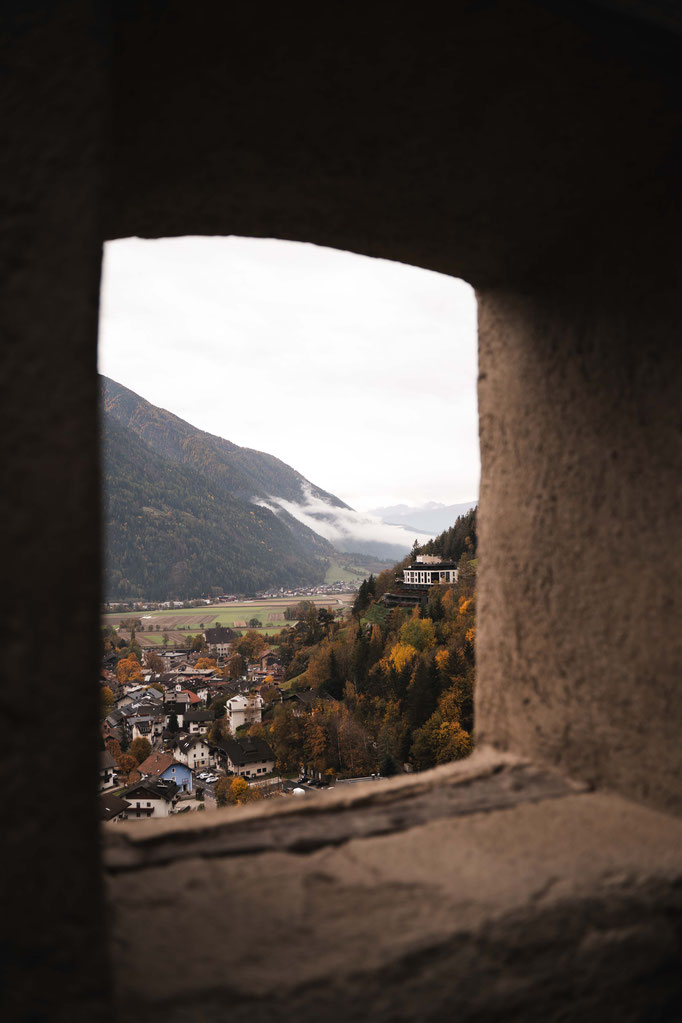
156,763
110,806
247,750
154,788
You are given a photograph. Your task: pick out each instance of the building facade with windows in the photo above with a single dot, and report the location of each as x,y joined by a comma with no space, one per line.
428,570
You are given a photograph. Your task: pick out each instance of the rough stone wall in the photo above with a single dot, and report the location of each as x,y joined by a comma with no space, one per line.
533,149
486,891
579,650
488,151
54,951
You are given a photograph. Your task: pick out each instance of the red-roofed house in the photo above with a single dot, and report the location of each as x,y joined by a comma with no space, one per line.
167,768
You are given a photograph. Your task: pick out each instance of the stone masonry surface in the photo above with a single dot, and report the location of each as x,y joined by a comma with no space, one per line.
514,895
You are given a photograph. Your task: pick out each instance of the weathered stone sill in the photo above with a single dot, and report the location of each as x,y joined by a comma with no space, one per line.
487,890
486,781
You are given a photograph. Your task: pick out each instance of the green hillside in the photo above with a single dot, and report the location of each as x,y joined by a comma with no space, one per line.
239,472
178,511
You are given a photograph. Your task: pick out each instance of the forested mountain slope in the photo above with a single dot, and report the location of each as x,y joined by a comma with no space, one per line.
396,685
178,510
240,472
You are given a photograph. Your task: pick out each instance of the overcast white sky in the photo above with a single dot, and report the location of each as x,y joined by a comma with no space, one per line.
358,372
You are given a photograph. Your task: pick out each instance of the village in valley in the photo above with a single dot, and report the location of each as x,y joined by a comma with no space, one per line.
186,716
178,717
246,657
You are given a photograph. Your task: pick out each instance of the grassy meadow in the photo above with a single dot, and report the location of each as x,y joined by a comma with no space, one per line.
178,623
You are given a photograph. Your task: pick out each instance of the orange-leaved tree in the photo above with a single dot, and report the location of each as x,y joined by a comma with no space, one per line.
114,747
106,701
128,671
127,765
239,790
250,645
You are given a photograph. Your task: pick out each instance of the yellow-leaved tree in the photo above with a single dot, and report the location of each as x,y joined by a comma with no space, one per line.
239,790
401,655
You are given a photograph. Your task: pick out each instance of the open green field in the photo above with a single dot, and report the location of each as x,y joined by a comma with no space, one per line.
345,572
178,622
177,638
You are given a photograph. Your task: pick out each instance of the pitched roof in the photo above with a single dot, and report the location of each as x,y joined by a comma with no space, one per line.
155,788
309,697
156,763
241,699
106,760
246,751
185,742
110,806
198,715
193,698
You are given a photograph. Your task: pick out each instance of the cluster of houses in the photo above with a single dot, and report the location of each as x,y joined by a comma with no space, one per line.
172,710
323,590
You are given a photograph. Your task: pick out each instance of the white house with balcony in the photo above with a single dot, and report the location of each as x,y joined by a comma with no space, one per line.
151,797
243,710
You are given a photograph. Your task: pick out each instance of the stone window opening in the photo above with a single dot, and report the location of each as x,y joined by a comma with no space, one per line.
532,151
463,305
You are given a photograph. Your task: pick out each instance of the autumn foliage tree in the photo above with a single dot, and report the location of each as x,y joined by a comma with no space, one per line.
239,791
222,791
234,791
128,671
154,662
250,645
234,667
205,662
127,765
114,747
106,701
402,679
140,749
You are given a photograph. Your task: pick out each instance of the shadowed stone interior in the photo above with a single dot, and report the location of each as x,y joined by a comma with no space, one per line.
532,148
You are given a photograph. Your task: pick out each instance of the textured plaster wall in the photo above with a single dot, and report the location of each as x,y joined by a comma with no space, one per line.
579,646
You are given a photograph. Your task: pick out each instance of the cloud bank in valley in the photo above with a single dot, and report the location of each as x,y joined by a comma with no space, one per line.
346,528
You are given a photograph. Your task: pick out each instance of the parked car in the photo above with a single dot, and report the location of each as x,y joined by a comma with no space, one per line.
211,778
203,776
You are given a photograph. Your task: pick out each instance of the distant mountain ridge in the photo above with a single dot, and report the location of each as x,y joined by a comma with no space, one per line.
244,472
180,509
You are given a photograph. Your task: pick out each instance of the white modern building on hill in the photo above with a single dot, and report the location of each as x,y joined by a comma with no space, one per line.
428,570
